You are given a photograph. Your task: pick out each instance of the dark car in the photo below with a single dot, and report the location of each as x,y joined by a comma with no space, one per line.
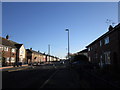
35,64
17,64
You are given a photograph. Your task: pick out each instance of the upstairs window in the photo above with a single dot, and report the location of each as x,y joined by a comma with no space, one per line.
1,48
106,40
5,48
21,52
89,49
13,50
100,43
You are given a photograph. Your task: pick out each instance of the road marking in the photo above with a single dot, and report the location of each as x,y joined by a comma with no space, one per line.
48,79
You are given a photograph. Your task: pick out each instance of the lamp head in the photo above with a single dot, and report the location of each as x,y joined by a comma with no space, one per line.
66,29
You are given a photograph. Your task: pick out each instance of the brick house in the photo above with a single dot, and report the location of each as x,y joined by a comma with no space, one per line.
21,53
35,56
8,52
50,58
43,57
105,51
11,52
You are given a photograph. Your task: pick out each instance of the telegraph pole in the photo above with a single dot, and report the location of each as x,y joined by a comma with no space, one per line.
49,51
68,44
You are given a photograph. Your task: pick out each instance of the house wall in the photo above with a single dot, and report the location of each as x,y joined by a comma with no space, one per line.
113,47
8,57
47,58
22,54
35,57
29,57
42,58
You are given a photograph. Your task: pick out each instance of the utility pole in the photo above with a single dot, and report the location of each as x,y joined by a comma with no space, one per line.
68,44
49,51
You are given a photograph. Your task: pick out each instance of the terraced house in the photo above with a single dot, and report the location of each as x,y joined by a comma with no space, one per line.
12,52
105,51
35,56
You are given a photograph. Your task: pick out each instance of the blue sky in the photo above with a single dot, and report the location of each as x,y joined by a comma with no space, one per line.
38,24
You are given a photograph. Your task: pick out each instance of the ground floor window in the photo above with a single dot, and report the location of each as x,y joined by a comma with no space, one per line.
89,59
101,63
107,57
12,59
8,59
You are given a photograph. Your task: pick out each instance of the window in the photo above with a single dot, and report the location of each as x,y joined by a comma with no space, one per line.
7,59
5,48
96,55
89,59
21,52
100,43
101,61
12,59
106,40
89,49
1,48
13,50
107,57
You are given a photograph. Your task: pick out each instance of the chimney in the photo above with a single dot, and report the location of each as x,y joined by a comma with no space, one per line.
7,37
30,48
110,28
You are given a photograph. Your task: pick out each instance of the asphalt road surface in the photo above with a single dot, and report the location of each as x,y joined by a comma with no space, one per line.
50,76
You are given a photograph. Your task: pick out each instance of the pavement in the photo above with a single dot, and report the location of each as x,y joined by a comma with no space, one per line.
11,67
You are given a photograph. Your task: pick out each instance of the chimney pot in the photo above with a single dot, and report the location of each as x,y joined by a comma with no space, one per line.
30,48
110,28
7,37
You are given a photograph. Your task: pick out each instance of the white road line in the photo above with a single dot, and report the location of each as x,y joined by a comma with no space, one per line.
48,80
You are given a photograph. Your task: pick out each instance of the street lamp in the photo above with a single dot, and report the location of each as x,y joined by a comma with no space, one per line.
68,44
49,51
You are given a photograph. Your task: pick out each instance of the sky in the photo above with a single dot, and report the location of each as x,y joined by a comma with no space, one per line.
38,24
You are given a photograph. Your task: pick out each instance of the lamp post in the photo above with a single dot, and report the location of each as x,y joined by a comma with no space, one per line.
68,44
49,52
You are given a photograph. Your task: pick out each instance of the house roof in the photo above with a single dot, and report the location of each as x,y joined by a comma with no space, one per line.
10,43
18,45
83,51
33,51
117,27
7,42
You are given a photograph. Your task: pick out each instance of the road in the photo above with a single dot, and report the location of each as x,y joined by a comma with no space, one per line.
50,76
31,77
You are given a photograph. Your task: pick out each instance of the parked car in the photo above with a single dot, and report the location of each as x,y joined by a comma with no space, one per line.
35,64
62,62
17,64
